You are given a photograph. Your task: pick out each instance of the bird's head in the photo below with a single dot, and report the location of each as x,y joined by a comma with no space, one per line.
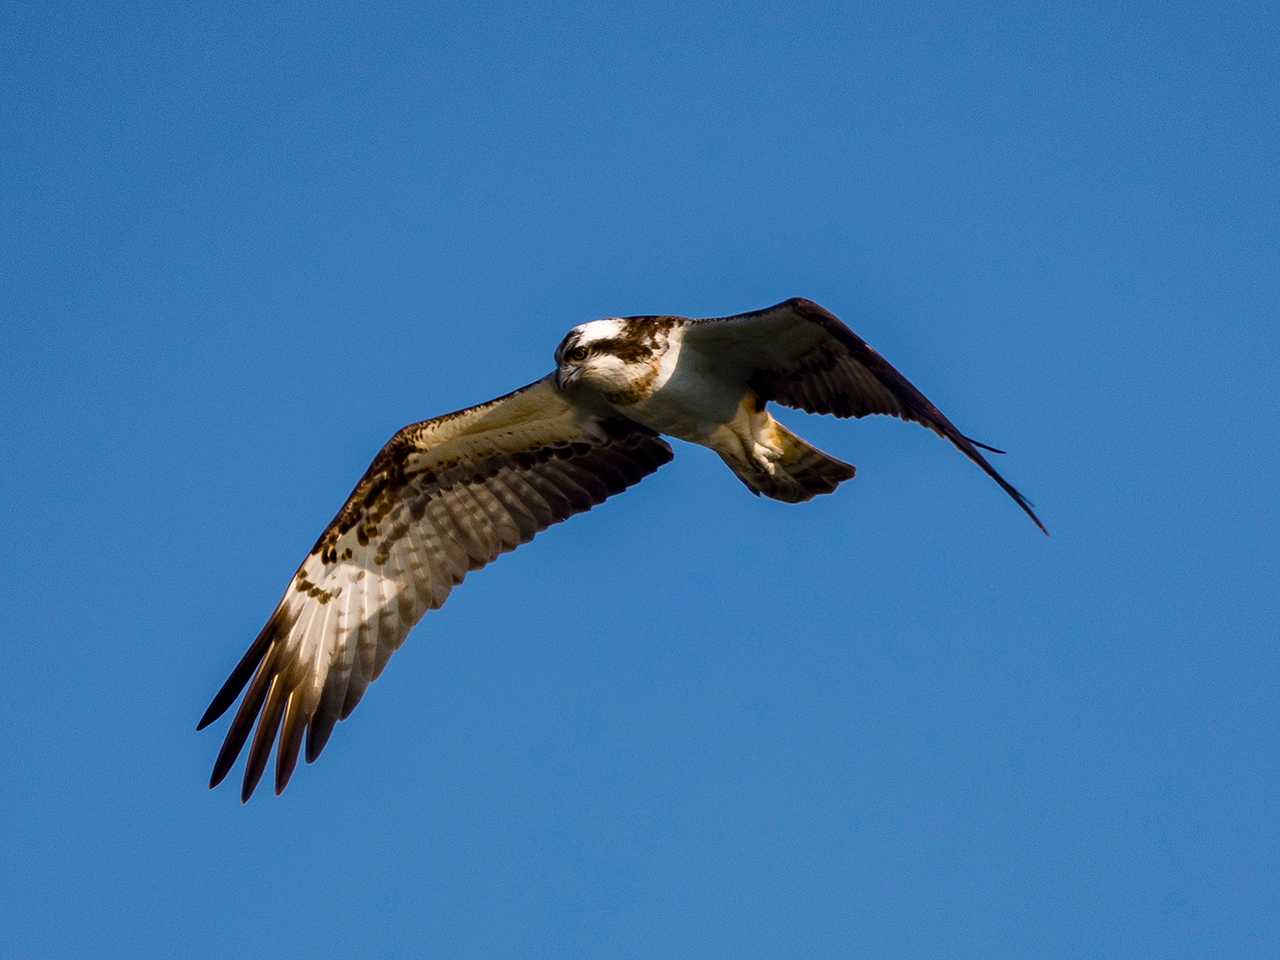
611,356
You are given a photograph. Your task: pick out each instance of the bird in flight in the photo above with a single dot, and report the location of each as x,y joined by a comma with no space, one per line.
448,495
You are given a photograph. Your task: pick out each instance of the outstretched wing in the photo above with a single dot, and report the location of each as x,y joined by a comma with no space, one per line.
802,356
443,497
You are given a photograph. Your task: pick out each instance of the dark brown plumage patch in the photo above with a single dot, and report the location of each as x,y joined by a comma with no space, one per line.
628,350
640,388
313,590
654,327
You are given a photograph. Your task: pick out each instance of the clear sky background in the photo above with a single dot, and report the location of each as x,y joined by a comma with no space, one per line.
241,248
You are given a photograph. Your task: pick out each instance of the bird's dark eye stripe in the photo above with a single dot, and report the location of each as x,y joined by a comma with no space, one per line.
630,351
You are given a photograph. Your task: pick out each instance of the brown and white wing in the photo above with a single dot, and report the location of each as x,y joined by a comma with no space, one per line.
443,497
803,356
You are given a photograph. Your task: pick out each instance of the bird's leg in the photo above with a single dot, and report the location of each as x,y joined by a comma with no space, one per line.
751,438
761,444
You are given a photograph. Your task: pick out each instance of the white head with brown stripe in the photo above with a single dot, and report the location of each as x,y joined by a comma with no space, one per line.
617,357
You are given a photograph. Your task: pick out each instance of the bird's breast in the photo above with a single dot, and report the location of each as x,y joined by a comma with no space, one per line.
686,398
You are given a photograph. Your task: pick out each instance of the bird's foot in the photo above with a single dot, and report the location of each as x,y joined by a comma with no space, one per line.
765,456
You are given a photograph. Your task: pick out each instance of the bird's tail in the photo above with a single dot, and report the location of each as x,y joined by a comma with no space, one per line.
801,473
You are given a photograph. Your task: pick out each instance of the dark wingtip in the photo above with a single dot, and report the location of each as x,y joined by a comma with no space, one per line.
985,446
243,670
317,736
1043,528
250,784
219,774
994,474
210,714
1026,505
223,699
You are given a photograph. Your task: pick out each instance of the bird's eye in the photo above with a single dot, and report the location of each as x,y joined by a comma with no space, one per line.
577,354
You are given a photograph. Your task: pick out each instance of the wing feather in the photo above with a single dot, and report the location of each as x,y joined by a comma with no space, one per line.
260,749
367,642
801,355
443,497
522,516
291,733
332,678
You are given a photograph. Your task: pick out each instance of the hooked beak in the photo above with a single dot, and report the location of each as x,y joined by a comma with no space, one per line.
566,377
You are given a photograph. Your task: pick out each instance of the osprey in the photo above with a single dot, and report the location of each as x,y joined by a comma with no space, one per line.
447,496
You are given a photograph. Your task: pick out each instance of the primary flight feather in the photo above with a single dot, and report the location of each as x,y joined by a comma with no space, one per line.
447,496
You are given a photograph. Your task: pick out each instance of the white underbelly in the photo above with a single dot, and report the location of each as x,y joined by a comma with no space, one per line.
690,405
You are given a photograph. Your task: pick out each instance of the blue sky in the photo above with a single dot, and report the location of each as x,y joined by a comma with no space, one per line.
242,247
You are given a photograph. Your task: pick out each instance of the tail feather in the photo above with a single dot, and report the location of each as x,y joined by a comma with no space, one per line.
801,473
